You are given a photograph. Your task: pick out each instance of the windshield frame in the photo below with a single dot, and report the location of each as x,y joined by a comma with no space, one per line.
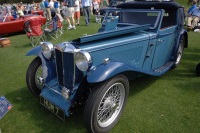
117,10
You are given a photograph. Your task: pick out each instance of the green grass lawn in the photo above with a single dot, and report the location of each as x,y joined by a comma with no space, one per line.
166,104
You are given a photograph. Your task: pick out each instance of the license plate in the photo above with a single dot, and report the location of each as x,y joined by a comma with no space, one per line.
54,109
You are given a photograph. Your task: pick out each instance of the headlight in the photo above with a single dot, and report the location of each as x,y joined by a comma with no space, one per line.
83,60
47,50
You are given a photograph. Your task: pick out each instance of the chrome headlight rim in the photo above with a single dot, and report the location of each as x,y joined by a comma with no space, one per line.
83,60
47,50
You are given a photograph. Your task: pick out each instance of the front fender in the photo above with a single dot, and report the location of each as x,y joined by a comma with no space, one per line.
106,71
48,66
182,34
35,51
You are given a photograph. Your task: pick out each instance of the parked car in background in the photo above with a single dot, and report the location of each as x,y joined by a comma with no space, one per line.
136,38
112,4
8,24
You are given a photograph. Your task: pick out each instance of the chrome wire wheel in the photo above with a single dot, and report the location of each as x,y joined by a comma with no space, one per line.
179,53
111,105
34,78
105,104
38,77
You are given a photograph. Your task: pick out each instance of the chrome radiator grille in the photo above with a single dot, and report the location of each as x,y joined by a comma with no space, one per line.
65,68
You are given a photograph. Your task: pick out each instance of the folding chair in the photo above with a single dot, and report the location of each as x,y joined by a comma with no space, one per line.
33,29
52,29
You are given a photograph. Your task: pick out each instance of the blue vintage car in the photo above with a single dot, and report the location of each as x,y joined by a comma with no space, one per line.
136,38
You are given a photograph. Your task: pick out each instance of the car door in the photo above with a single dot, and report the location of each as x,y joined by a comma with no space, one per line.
166,39
12,26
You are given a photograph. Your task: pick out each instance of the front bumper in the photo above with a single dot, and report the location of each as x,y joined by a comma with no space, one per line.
53,100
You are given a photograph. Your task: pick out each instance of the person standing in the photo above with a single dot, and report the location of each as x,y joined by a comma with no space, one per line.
8,9
56,7
96,10
20,10
70,13
77,12
42,7
48,10
86,8
51,4
57,10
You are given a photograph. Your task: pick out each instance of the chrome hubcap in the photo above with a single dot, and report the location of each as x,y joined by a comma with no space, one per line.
111,105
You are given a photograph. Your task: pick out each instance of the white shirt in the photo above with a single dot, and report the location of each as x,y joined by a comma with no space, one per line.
51,4
86,3
77,6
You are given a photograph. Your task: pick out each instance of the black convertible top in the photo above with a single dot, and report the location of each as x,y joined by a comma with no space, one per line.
167,5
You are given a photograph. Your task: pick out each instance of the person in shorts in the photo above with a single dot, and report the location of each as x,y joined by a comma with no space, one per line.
77,12
70,13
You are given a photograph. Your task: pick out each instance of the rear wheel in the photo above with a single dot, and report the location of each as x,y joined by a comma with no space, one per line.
34,76
180,52
105,104
198,69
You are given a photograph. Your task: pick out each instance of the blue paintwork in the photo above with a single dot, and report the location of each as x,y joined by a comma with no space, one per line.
137,48
48,66
108,70
34,51
111,33
55,97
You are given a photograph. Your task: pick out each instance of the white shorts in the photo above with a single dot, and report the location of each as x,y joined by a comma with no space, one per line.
69,12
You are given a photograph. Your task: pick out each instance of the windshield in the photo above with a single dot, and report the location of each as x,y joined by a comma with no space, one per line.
115,2
135,17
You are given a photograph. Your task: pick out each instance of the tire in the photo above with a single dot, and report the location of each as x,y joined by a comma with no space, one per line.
179,52
34,71
198,69
101,114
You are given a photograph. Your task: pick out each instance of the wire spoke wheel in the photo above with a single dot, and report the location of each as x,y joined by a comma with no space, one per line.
111,105
34,79
38,76
180,53
105,104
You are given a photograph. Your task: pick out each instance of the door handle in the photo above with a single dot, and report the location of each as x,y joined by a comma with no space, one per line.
150,50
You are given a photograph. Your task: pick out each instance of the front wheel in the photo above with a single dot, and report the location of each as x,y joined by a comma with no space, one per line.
34,76
198,69
105,104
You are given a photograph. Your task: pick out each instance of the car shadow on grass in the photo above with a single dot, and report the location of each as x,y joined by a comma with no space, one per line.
141,83
45,121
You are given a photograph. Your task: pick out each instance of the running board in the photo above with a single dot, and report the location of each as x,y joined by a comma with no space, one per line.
164,68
